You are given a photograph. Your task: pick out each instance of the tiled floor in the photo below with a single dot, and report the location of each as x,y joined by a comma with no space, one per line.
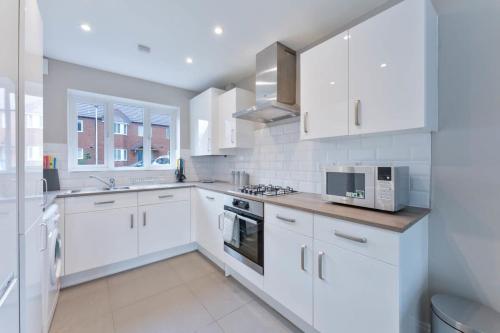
183,294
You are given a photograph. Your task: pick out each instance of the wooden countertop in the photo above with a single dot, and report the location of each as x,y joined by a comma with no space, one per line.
309,202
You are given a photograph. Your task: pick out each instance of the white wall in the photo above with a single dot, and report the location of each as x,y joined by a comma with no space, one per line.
63,76
465,220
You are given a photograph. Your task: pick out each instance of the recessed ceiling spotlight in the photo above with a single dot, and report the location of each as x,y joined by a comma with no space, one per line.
143,48
189,60
384,65
85,27
332,83
346,37
218,30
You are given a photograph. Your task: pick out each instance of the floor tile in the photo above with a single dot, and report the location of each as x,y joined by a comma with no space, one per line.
192,266
219,295
255,317
176,311
102,324
141,283
76,307
96,286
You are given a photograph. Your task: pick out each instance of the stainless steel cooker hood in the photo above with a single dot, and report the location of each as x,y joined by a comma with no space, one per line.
275,86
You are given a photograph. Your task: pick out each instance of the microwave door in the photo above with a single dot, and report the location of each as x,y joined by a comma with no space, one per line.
349,185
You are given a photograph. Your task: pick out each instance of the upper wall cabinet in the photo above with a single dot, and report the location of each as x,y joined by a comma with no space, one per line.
235,133
393,71
324,88
392,75
204,110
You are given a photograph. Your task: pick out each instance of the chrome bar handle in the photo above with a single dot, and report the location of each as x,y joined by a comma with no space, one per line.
356,112
302,257
321,254
144,218
306,125
44,190
286,219
349,237
165,196
210,198
131,221
219,216
44,234
104,202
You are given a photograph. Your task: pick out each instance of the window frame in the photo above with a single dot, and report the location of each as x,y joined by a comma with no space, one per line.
107,101
79,126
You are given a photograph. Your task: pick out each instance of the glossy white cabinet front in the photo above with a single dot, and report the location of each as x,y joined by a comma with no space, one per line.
392,78
203,110
9,278
100,238
164,226
353,293
235,133
324,87
288,260
207,209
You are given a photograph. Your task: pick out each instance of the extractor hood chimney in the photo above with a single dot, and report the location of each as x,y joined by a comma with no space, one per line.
275,86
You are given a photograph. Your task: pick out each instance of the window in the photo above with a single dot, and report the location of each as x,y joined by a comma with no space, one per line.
120,128
79,128
80,153
121,155
33,120
116,133
33,153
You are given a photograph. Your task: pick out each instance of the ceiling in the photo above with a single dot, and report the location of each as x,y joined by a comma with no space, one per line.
175,29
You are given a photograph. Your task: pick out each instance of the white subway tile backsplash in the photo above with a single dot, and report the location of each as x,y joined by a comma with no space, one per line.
279,157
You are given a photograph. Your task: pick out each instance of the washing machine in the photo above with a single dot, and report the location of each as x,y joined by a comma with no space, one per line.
52,265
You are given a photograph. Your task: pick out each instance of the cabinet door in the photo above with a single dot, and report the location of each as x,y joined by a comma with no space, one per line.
227,124
324,89
353,293
235,133
288,270
101,238
163,226
387,70
200,125
208,234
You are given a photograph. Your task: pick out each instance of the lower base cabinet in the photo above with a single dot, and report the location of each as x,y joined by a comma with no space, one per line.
353,293
163,226
288,277
208,208
100,238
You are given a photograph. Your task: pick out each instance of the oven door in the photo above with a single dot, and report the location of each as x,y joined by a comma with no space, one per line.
249,248
350,185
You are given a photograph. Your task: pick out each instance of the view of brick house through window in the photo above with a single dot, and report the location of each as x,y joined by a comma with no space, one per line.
128,135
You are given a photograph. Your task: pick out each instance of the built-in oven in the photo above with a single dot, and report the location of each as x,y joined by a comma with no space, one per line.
248,245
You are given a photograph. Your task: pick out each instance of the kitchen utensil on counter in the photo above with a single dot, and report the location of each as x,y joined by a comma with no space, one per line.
244,178
179,171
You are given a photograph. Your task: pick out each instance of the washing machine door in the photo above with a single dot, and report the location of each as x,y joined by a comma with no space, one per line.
55,259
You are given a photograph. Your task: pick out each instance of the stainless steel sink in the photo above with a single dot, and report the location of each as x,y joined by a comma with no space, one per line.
118,188
96,190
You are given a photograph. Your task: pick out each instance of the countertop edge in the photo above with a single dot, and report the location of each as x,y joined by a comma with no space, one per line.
416,213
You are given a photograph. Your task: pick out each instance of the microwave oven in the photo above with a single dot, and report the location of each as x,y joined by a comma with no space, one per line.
377,187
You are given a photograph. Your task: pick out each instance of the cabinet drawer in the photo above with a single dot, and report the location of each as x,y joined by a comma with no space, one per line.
160,196
290,219
92,203
369,241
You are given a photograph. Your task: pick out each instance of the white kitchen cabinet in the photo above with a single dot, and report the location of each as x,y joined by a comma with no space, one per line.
164,226
353,293
235,133
393,70
99,238
208,207
288,270
324,84
204,110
